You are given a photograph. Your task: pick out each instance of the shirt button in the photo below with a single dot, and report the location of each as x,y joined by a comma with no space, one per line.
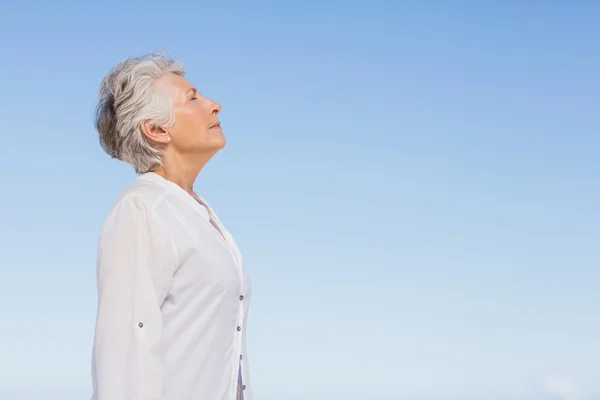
241,298
241,356
239,328
243,387
141,325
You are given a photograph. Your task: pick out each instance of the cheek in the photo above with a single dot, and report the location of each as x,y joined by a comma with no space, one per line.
190,125
197,121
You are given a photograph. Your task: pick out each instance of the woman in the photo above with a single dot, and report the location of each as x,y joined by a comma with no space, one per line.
172,291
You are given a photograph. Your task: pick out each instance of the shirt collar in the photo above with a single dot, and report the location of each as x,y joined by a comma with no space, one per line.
202,209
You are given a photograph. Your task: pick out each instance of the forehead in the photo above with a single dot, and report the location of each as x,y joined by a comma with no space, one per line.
173,84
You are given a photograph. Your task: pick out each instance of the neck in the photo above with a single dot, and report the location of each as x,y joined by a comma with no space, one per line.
181,170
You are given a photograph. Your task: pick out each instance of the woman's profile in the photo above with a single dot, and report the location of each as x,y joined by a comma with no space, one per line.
172,290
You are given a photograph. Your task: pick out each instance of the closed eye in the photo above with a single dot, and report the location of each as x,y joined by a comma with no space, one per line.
193,92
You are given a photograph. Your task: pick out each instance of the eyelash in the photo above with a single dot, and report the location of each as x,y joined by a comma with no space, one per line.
194,98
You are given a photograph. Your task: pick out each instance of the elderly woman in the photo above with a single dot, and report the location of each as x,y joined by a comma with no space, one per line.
172,290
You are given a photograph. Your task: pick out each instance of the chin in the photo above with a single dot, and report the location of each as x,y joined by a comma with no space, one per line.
220,143
210,144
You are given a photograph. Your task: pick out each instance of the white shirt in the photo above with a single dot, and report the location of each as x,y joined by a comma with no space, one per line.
172,300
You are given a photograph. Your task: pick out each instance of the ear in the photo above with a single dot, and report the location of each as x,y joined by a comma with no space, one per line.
155,133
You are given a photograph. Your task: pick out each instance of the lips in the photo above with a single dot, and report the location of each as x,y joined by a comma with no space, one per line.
217,125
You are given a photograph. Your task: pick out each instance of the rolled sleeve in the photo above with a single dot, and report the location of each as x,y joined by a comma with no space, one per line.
136,259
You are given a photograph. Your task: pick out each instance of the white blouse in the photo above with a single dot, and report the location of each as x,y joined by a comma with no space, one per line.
172,300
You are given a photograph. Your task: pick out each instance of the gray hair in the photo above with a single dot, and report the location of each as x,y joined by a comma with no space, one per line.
127,98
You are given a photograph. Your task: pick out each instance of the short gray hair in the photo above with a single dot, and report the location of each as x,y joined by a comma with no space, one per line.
127,98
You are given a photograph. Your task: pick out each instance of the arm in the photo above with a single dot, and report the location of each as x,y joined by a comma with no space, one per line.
135,266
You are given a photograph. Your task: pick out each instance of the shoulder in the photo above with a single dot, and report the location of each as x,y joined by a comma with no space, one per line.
142,193
136,205
134,232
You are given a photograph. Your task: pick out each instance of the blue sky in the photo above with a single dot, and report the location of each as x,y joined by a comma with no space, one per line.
414,188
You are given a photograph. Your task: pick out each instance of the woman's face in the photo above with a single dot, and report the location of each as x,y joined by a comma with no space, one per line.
196,128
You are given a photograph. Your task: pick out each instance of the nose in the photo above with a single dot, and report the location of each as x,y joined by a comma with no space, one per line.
216,108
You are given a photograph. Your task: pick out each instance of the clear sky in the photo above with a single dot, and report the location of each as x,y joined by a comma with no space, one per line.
414,188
